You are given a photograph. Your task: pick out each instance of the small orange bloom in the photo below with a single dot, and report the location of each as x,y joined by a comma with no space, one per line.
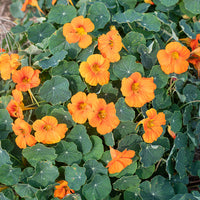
152,125
120,160
138,90
95,70
15,106
62,190
110,45
48,131
104,117
77,30
81,106
26,78
173,58
173,135
68,1
8,64
2,50
149,1
33,3
195,54
23,131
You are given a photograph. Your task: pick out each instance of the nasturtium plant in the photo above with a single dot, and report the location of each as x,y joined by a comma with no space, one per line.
100,100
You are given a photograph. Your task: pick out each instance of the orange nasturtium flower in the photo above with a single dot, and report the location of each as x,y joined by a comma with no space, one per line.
77,30
23,131
103,117
2,50
120,160
149,1
68,1
138,90
62,189
110,45
8,64
48,131
152,125
95,70
26,78
173,58
81,106
15,107
195,54
33,3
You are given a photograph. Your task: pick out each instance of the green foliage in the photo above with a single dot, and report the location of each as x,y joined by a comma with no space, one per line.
158,171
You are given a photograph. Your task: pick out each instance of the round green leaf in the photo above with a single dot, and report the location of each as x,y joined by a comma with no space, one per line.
126,182
75,176
159,189
57,43
15,9
191,92
97,149
150,154
5,123
45,174
4,157
132,41
68,153
128,3
62,14
56,90
124,128
63,116
150,22
79,136
169,3
94,167
9,175
145,172
124,112
25,190
176,121
130,142
99,15
193,6
38,153
65,69
160,78
39,32
126,66
127,16
109,139
98,188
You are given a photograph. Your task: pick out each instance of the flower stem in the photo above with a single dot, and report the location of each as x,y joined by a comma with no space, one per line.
32,97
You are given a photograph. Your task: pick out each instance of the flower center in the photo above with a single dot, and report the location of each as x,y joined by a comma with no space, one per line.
22,131
150,123
111,43
25,80
47,127
82,106
95,68
102,114
81,31
135,87
175,55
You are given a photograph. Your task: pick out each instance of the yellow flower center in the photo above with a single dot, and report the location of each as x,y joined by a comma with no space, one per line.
150,123
25,80
111,43
82,106
95,68
81,31
102,114
47,127
175,55
135,87
22,131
